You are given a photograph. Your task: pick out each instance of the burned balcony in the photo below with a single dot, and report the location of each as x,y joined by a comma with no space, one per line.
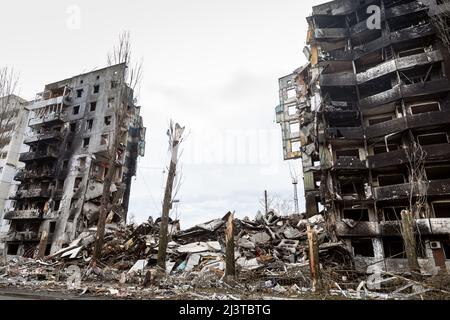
399,64
331,33
403,191
32,214
346,133
25,174
428,227
48,137
409,122
23,236
428,88
33,193
398,36
398,157
337,79
38,155
49,119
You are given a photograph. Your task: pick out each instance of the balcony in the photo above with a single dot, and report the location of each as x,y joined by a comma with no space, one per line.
29,174
399,64
22,236
32,214
337,79
345,133
405,190
404,91
49,119
409,122
38,155
424,227
33,193
349,163
395,37
398,157
48,137
330,33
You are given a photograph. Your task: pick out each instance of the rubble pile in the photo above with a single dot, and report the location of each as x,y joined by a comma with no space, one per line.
271,255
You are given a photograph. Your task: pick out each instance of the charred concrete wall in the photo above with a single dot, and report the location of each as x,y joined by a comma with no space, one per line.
367,100
72,130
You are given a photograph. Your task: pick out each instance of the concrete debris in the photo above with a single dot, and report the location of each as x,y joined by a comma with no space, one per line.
271,260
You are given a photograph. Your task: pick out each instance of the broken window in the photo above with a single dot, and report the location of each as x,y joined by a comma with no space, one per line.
441,209
104,139
356,214
82,162
393,213
80,93
363,247
433,138
291,93
425,107
73,127
411,52
446,248
76,110
78,182
437,172
93,106
56,205
382,148
65,164
352,187
48,249
114,84
393,248
89,124
52,227
86,142
13,249
391,179
96,89
68,145
108,120
292,110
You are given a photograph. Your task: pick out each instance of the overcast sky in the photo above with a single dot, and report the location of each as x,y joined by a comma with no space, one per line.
211,65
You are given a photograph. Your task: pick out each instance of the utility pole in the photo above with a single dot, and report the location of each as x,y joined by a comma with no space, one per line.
265,202
175,138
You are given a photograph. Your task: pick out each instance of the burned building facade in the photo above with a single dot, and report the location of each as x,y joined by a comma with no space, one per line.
369,117
71,131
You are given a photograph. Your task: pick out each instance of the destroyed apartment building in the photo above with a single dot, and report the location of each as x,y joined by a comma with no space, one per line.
71,131
369,117
13,122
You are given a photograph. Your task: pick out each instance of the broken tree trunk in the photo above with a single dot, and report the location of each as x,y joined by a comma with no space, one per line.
230,270
409,240
176,136
43,245
314,265
105,202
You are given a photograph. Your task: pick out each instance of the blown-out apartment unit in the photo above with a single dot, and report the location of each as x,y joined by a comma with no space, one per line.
370,105
71,130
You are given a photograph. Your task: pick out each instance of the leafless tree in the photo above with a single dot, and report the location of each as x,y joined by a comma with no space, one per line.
127,83
8,110
417,203
279,205
439,12
175,134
